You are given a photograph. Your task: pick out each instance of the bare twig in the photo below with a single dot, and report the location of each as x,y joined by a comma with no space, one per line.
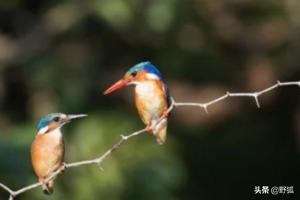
254,95
98,161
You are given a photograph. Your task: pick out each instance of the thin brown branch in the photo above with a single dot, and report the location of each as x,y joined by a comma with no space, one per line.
98,161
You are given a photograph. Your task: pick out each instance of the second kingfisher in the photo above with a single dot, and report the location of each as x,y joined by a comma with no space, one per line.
47,149
152,96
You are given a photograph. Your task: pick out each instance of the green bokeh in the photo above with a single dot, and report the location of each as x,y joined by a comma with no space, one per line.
61,56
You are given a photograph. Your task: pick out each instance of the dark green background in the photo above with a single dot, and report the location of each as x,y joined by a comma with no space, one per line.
62,55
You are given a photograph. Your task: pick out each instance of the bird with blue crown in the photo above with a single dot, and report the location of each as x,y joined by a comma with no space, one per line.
152,97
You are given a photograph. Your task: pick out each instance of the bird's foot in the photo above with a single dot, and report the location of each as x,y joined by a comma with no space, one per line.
165,114
42,181
62,167
148,129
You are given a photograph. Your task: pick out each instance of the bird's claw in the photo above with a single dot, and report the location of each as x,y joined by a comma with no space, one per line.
62,167
165,114
148,129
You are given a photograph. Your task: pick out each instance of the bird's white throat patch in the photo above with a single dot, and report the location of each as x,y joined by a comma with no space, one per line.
55,133
43,130
152,76
145,88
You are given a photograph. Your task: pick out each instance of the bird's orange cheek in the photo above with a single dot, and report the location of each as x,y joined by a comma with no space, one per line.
52,126
141,76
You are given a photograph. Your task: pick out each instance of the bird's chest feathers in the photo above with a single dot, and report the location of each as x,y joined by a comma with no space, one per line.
52,139
150,99
149,92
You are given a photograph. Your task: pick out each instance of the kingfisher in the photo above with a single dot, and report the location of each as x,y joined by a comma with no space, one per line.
47,149
152,97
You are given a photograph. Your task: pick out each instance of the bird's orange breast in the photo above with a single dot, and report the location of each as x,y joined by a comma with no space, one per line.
47,154
150,100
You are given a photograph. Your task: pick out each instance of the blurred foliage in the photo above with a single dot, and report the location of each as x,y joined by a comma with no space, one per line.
61,55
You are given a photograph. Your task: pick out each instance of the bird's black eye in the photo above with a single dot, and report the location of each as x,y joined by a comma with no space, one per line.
134,73
56,119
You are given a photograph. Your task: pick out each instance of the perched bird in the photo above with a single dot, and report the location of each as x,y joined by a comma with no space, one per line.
152,96
47,149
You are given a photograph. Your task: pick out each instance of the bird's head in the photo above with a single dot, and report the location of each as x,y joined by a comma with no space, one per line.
140,72
55,120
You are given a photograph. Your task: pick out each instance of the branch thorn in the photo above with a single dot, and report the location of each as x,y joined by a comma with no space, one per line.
124,137
205,109
100,167
256,100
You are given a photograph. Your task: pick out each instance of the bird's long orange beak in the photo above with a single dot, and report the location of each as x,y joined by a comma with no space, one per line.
118,85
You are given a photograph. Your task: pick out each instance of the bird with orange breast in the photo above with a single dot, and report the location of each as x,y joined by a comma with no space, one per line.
47,149
152,97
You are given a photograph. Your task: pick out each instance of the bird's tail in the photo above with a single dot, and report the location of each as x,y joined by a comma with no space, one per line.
161,132
48,187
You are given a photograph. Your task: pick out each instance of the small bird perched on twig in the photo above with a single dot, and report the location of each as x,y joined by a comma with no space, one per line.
152,97
47,149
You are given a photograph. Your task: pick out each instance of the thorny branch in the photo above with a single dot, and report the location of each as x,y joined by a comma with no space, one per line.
98,161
